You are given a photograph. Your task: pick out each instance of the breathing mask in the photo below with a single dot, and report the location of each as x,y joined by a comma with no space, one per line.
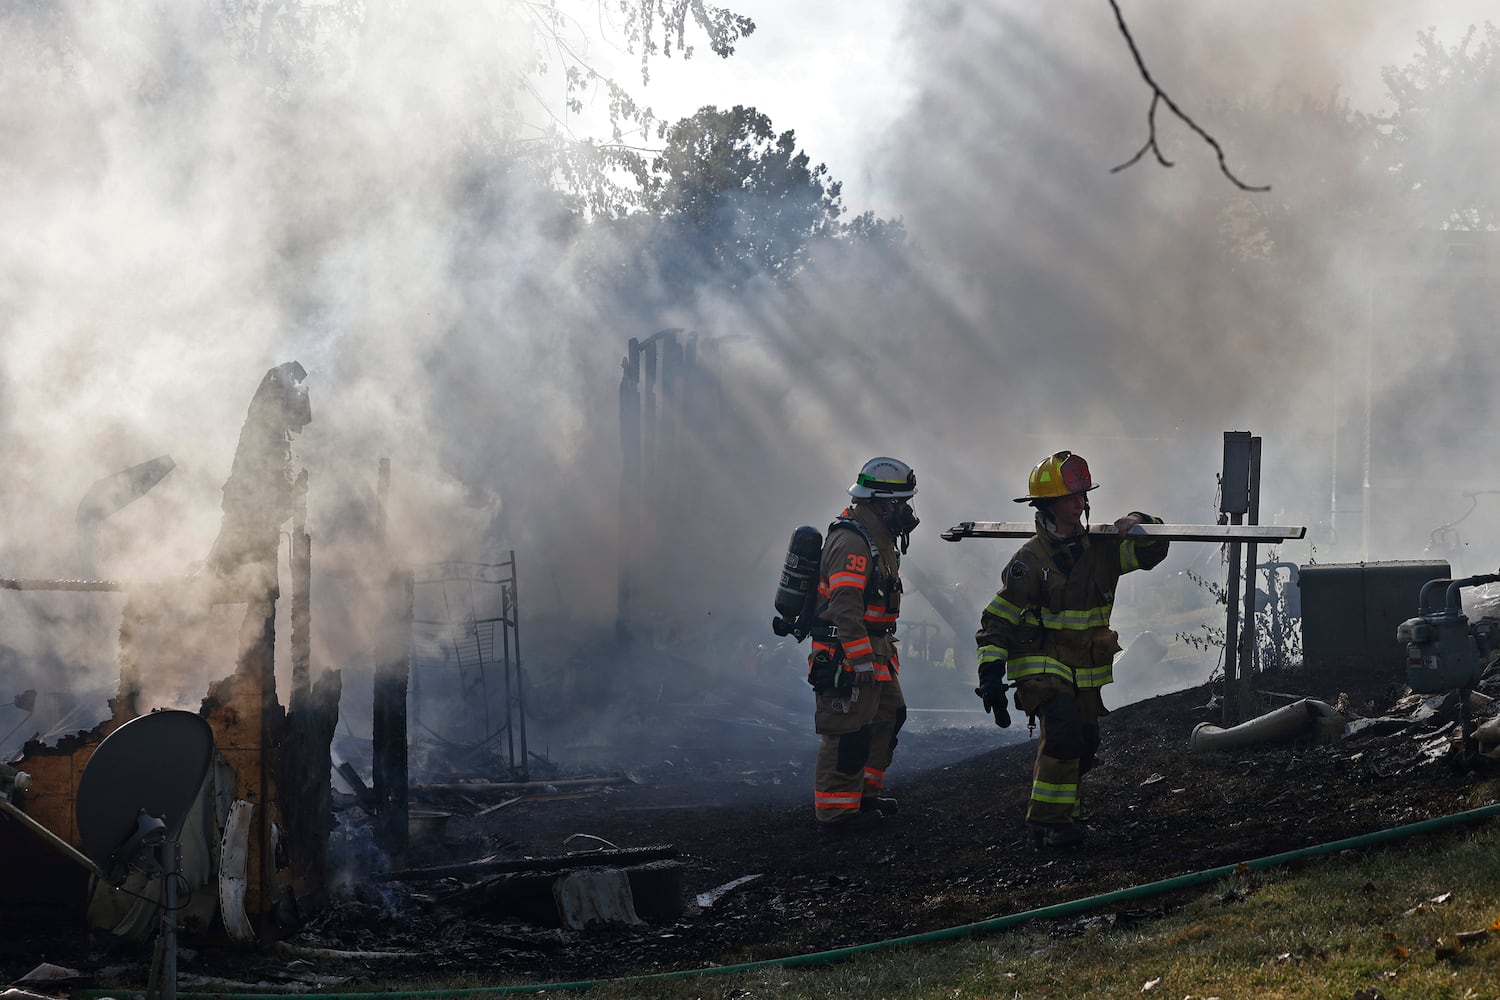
901,523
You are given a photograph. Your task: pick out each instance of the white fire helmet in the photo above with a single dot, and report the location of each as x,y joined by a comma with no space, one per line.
884,478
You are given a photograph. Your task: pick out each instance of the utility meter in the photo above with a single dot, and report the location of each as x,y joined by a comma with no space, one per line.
1442,650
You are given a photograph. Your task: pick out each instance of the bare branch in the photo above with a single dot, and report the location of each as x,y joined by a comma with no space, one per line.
1158,98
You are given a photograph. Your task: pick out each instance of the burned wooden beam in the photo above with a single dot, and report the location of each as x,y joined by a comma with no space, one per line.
362,791
388,725
466,787
617,857
580,897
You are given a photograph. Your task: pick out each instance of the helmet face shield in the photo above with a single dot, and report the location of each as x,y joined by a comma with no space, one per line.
884,478
1058,475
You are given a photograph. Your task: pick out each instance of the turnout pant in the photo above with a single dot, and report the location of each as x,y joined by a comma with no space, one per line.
858,730
1069,720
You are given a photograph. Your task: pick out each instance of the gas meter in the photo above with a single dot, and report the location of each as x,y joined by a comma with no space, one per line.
1443,651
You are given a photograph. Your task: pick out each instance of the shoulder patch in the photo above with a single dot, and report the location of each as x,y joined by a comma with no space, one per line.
1016,570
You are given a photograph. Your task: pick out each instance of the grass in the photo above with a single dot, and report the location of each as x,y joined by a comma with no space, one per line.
1419,920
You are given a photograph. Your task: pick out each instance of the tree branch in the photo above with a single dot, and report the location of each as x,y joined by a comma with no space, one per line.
1158,98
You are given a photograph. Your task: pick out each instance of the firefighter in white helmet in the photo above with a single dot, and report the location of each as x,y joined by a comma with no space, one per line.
853,664
1047,632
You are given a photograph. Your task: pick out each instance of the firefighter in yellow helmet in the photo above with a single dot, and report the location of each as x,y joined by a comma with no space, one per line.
1047,633
853,666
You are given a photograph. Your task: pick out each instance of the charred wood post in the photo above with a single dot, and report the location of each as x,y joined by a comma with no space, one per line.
257,667
304,769
630,480
667,399
278,763
388,728
301,569
511,658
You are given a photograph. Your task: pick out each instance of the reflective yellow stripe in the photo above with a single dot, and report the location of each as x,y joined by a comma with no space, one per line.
1093,677
1021,667
1047,791
1078,621
991,654
1005,610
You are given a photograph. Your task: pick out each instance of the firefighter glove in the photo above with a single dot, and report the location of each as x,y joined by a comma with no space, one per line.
827,675
992,691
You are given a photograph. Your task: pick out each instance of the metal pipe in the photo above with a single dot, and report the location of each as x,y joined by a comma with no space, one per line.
1452,600
1423,607
1284,722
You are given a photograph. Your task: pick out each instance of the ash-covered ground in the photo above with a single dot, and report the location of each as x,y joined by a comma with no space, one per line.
731,805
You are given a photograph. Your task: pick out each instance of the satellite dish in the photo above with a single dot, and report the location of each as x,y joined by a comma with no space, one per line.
153,767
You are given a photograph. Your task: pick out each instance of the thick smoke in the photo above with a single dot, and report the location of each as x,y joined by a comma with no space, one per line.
193,194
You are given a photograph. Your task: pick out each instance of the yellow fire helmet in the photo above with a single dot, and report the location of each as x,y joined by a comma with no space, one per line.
1058,475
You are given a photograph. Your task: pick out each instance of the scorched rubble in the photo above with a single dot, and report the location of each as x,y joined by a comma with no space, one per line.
956,852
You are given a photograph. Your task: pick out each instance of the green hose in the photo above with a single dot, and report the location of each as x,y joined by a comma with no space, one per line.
946,934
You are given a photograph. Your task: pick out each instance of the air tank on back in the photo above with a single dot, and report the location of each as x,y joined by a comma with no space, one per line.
797,592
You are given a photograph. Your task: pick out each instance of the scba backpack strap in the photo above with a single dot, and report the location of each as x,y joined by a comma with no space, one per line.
875,573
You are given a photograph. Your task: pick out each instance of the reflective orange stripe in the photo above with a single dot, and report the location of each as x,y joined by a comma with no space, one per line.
857,648
846,579
836,800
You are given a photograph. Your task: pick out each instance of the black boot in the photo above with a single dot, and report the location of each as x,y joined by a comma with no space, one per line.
884,804
864,821
1049,835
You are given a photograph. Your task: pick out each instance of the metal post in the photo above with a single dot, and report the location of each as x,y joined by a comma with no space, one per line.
1247,637
1234,500
515,632
172,855
1230,706
510,709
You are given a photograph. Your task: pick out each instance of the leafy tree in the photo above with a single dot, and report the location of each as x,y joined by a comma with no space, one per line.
740,196
1442,141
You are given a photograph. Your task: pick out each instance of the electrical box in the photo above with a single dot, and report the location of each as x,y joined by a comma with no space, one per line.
1351,611
1234,482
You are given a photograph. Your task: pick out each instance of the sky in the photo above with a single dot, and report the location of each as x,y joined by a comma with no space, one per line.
171,233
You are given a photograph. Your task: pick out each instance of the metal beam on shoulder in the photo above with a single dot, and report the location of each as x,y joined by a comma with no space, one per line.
1171,532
